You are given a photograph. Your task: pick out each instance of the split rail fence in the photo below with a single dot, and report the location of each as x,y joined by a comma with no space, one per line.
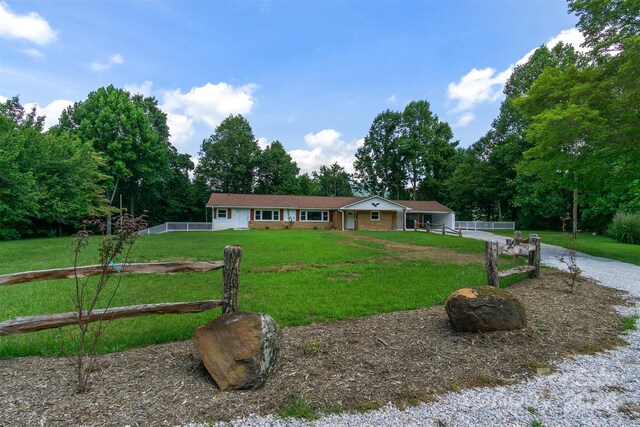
229,302
438,228
526,247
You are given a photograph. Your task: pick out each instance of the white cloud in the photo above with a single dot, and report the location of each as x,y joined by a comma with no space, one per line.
326,148
180,128
110,62
476,87
3,99
392,99
143,89
573,37
52,111
464,119
211,103
485,85
31,27
34,53
263,142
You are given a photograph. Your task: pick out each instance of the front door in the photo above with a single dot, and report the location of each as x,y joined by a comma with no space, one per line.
411,220
243,218
351,222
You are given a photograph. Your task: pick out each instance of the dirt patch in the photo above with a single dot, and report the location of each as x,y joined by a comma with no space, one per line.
389,251
403,357
409,251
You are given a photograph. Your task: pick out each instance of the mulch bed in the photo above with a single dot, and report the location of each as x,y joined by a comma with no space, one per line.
357,364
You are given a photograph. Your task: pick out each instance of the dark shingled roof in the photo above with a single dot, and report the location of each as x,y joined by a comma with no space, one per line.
307,202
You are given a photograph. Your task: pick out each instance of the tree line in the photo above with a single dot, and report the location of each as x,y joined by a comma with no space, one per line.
111,152
565,145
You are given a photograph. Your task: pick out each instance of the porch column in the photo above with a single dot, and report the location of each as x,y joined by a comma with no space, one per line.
404,220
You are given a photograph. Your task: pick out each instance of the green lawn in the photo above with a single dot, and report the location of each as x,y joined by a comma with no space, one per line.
296,276
601,246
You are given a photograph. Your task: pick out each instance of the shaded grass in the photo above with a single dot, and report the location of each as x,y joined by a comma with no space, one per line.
600,246
337,280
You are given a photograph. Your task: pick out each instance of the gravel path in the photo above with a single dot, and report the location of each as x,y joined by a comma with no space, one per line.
601,390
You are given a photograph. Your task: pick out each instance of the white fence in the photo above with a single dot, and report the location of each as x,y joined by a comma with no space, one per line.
168,227
485,225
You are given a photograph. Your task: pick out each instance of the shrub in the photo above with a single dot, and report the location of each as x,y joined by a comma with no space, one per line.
625,228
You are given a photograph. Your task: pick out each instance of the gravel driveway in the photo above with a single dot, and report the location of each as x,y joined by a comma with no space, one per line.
600,390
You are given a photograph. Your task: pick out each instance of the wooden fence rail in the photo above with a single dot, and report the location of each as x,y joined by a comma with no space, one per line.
94,270
529,247
443,229
229,302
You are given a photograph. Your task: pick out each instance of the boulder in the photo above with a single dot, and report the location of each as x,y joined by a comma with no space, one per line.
484,309
239,349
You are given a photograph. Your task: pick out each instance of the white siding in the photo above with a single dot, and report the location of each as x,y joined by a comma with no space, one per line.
239,219
449,218
374,204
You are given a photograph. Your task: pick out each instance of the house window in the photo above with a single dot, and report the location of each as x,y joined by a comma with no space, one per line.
264,215
316,216
221,213
375,216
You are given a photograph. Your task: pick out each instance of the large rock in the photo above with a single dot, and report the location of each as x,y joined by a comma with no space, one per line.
239,349
484,309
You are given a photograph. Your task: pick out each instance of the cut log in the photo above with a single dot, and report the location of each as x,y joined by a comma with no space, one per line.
491,263
534,256
93,270
522,249
21,325
231,278
516,270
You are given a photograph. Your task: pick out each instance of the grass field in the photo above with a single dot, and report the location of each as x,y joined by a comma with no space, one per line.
298,277
601,246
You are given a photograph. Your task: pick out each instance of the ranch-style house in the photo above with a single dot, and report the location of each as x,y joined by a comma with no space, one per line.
256,211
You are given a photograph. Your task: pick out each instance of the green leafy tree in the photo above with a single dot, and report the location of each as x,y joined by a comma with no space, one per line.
379,163
606,23
131,134
472,187
19,192
584,130
564,132
428,151
333,181
47,180
504,144
276,172
305,186
175,197
229,157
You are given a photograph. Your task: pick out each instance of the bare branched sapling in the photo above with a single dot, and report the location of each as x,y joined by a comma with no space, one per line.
570,259
88,295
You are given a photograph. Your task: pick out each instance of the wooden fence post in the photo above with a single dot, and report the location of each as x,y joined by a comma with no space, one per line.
230,278
443,229
428,227
534,256
491,263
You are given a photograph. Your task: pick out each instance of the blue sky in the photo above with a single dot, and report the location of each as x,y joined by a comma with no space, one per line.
312,75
